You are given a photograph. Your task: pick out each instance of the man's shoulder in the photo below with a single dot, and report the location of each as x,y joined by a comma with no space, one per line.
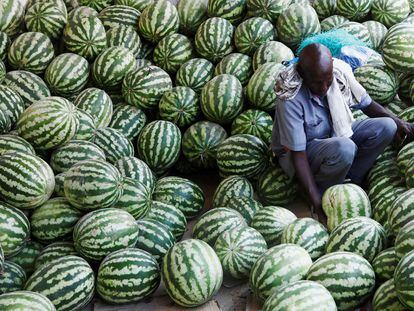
298,100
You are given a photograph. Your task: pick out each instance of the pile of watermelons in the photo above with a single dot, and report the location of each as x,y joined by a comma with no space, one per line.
106,104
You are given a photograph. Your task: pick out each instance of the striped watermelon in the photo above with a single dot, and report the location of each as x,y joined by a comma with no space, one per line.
11,103
254,122
25,300
75,151
86,129
403,280
12,278
238,249
48,123
200,142
401,211
104,231
341,202
15,228
398,48
324,8
296,23
355,10
54,251
259,90
47,18
119,15
127,275
158,19
114,144
159,145
124,36
247,207
236,64
382,207
195,74
155,238
13,143
68,282
271,221
184,194
111,66
136,169
140,5
222,98
12,14
404,242
409,178
172,51
26,257
380,82
307,233
54,220
359,235
278,266
129,120
389,12
232,10
334,271
180,106
97,5
213,39
31,183
268,9
407,114
67,74
135,198
304,295
275,178
377,33
4,45
252,33
2,71
232,186
202,267
29,86
144,87
405,86
332,22
59,181
386,298
358,30
242,154
404,156
191,15
170,216
25,55
98,103
5,123
81,11
384,264
92,184
271,51
85,36
216,221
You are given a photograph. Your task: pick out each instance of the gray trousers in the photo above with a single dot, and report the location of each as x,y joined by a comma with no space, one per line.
332,160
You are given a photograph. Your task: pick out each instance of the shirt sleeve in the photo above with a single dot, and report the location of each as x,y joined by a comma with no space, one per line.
364,103
290,125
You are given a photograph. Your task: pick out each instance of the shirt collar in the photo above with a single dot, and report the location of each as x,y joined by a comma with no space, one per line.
315,98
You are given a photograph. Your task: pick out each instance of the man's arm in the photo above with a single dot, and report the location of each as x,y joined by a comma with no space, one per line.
306,179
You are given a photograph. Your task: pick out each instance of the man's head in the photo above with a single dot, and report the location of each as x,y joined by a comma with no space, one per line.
316,68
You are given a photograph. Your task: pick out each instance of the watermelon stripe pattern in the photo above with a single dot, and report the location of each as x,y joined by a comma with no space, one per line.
191,15
26,180
85,36
124,36
104,231
339,267
354,10
401,211
86,129
404,242
278,266
233,186
378,32
152,27
254,122
233,11
403,280
404,156
271,51
195,74
203,268
136,169
13,278
238,249
114,144
12,14
127,275
15,228
129,120
385,263
26,300
386,298
92,184
269,10
222,99
390,13
54,251
68,282
247,207
54,220
67,74
48,123
26,257
31,51
236,64
358,30
119,15
11,103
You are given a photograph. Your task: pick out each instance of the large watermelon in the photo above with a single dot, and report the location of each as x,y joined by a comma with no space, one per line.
191,15
195,74
355,10
26,257
12,14
12,143
119,15
54,251
268,9
129,120
11,103
403,280
136,169
390,12
12,278
254,122
271,51
236,64
114,144
384,264
232,10
124,36
386,298
404,242
401,211
25,300
230,187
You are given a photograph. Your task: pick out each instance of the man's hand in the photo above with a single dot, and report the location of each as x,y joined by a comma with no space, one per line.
404,129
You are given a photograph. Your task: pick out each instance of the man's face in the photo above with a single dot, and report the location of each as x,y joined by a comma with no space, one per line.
319,80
